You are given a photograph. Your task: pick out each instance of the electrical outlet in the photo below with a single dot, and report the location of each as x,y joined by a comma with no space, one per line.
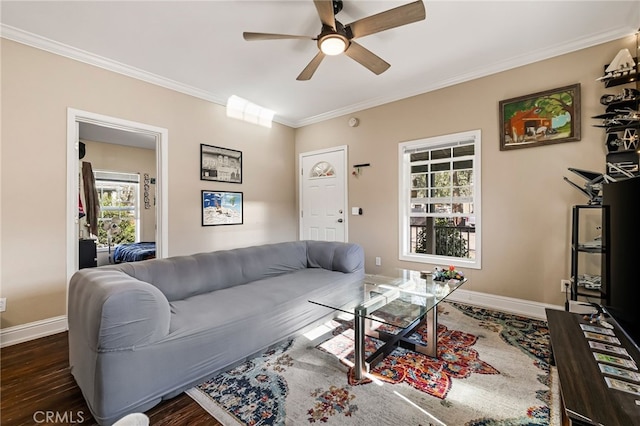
3,304
564,285
378,261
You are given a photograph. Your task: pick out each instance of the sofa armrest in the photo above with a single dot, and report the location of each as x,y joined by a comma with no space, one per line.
110,310
335,256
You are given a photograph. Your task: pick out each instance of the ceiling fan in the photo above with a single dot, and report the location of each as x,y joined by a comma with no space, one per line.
336,38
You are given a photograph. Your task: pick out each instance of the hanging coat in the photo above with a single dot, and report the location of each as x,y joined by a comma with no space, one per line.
91,198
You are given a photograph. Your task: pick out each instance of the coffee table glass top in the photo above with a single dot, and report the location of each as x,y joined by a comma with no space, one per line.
398,299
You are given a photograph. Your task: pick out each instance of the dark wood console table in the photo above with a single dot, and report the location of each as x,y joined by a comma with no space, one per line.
586,399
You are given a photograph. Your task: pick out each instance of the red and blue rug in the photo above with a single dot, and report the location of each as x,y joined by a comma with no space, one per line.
492,369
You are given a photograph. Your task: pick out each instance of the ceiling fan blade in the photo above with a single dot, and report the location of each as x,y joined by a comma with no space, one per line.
366,58
325,11
307,73
266,36
392,18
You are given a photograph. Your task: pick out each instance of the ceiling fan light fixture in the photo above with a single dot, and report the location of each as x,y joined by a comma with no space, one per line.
334,44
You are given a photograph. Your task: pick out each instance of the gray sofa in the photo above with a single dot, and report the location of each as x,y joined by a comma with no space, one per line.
146,331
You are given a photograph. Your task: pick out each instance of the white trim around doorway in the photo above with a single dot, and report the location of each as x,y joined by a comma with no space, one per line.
161,135
345,150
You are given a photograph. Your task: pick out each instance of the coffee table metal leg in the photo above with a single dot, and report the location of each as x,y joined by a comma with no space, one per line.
359,354
431,349
432,332
361,365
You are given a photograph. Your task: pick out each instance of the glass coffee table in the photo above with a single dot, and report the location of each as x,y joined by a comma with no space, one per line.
404,301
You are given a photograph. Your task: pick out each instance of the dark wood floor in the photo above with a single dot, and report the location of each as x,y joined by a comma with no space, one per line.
35,379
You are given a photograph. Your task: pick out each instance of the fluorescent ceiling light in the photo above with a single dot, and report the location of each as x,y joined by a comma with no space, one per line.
247,111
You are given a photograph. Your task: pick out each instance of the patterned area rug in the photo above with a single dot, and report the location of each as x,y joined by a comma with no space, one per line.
492,369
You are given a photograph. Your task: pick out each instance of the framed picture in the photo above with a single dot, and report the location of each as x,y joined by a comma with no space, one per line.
221,208
542,118
220,164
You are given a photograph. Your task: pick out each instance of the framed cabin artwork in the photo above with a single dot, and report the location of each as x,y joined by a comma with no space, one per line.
542,118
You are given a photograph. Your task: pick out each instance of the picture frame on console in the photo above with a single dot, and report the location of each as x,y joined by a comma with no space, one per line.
220,164
222,208
542,118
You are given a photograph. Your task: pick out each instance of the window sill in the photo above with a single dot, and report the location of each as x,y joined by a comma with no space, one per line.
441,260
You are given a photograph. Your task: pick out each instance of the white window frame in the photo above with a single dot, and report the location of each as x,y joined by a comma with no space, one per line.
404,198
124,176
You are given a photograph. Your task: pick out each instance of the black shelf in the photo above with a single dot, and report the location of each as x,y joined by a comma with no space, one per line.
628,160
581,248
633,104
595,294
625,79
578,247
611,129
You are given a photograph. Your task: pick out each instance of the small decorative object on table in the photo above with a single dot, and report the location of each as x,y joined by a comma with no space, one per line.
450,273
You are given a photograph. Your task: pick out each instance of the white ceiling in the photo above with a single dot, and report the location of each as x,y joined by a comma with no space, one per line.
197,47
99,133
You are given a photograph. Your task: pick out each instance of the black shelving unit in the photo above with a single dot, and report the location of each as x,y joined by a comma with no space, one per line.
577,246
626,79
623,157
629,77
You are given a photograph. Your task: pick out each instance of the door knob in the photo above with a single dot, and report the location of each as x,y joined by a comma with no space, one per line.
339,220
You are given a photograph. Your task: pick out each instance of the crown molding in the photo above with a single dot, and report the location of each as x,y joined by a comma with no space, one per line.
43,43
33,40
515,62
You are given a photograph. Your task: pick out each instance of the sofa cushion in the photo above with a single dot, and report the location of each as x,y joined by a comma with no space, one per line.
335,257
259,298
181,277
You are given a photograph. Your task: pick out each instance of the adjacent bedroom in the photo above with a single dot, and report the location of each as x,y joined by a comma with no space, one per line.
117,196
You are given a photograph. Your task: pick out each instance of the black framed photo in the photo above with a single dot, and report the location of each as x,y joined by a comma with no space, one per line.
220,164
222,208
542,118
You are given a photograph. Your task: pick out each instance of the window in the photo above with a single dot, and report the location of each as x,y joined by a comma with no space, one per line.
119,220
322,169
440,200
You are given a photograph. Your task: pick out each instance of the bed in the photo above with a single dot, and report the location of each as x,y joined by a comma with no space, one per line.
134,252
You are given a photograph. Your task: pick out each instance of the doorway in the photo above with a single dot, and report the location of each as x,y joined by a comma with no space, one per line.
135,131
323,195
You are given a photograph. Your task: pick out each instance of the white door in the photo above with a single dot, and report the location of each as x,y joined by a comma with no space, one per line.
323,195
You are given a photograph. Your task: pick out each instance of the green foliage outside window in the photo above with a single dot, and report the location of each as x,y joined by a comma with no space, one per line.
449,240
422,241
117,202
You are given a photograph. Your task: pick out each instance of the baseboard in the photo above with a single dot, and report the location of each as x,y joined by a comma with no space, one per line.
23,333
33,330
511,305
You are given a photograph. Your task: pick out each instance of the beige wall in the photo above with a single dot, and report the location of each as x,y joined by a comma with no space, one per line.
526,205
126,159
37,88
